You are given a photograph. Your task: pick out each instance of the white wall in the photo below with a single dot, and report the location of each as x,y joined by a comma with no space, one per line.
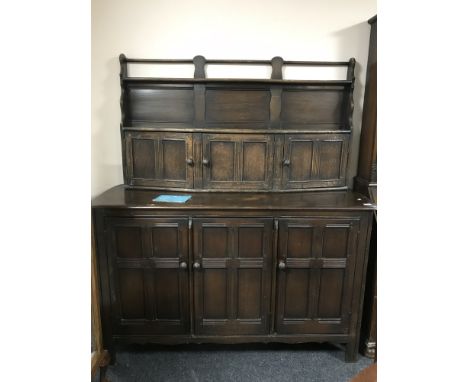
237,29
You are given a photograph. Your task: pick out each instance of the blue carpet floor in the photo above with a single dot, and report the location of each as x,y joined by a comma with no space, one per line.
233,363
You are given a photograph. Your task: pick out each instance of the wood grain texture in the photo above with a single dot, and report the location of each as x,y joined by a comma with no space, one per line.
123,197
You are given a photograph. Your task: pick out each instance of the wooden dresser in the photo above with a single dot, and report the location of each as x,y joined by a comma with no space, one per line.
271,247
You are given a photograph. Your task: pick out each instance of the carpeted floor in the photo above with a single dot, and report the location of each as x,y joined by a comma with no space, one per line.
229,363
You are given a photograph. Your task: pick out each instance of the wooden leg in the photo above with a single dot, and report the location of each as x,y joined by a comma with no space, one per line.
111,351
351,352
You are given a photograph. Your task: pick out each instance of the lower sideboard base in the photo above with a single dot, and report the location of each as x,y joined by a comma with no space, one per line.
221,270
344,342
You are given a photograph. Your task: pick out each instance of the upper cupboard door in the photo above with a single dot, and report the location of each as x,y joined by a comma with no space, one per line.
314,161
160,159
237,161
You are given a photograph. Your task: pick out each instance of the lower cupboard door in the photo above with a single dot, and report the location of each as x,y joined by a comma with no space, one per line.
149,275
316,260
232,275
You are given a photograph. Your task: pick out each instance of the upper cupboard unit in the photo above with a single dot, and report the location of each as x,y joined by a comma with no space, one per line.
236,134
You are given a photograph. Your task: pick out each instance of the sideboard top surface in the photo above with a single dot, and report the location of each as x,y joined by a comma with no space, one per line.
124,197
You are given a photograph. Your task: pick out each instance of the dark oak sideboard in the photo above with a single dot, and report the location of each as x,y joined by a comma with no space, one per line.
232,267
271,247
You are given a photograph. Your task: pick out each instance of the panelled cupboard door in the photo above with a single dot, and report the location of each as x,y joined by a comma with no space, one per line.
148,263
242,161
314,161
316,261
232,275
160,159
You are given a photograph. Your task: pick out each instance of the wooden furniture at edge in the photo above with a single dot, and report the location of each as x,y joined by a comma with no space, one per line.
272,246
99,356
366,183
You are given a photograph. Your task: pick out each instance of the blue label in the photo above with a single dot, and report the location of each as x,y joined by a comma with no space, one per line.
172,198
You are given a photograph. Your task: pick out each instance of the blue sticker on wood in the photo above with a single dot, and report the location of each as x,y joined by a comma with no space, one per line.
172,198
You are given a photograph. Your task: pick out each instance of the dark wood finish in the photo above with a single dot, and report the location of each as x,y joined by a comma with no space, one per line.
237,161
127,198
159,159
311,160
368,344
367,164
237,105
232,282
148,263
315,279
100,357
366,183
226,106
234,253
264,260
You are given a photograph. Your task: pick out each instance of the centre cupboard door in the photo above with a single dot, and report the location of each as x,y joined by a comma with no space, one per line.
232,275
316,261
238,161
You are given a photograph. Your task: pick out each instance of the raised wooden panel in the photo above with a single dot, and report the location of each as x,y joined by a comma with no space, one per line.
331,293
167,292
215,241
312,106
222,159
232,285
152,290
165,241
159,159
131,286
300,241
249,296
160,104
314,161
330,159
250,242
174,154
238,161
215,293
144,155
335,241
128,242
313,285
302,166
238,105
296,288
254,161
